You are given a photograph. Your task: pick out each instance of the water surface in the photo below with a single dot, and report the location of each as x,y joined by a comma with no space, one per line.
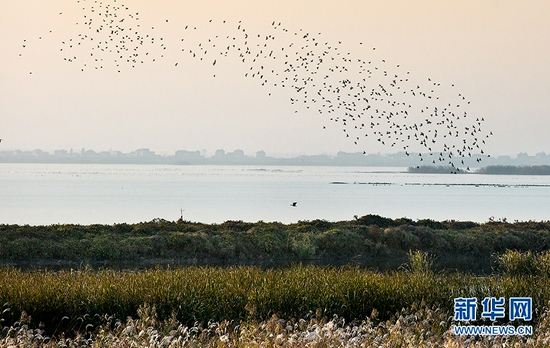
38,194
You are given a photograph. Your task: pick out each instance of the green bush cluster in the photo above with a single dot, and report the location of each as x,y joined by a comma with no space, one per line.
370,236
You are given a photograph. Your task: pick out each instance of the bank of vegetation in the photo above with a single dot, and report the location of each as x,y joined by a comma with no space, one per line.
67,303
248,306
515,170
265,243
494,170
435,170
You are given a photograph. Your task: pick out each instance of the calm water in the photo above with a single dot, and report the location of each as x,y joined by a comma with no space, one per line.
64,193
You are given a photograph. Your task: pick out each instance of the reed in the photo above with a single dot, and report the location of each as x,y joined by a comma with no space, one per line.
419,327
67,301
516,263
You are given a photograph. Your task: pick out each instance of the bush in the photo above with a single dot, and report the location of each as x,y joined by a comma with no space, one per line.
514,263
340,242
375,220
401,238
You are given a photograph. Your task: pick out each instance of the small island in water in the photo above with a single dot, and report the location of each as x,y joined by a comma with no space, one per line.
492,170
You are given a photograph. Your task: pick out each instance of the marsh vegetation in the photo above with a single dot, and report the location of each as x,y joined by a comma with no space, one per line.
212,304
243,306
366,241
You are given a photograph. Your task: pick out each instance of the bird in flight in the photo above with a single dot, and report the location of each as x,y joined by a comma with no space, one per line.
369,98
293,204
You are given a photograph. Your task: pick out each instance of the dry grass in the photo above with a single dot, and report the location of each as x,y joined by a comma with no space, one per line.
242,307
423,327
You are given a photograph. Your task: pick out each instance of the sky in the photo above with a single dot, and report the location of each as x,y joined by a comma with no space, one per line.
495,53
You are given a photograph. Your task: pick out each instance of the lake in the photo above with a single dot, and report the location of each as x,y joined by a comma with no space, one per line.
43,194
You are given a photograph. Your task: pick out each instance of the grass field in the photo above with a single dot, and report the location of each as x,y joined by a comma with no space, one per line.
301,305
215,306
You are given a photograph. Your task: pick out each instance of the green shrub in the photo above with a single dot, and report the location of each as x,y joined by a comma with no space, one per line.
375,220
370,235
401,238
515,263
340,242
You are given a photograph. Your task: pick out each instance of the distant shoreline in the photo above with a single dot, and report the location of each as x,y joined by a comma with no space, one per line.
490,170
238,157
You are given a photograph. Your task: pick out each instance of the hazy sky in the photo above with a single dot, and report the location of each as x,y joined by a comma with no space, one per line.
496,53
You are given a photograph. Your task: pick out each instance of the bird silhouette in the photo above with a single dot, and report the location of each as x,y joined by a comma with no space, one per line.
326,78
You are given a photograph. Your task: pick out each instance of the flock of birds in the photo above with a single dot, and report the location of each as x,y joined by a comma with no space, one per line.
372,100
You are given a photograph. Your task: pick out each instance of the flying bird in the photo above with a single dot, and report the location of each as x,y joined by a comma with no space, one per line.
368,97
